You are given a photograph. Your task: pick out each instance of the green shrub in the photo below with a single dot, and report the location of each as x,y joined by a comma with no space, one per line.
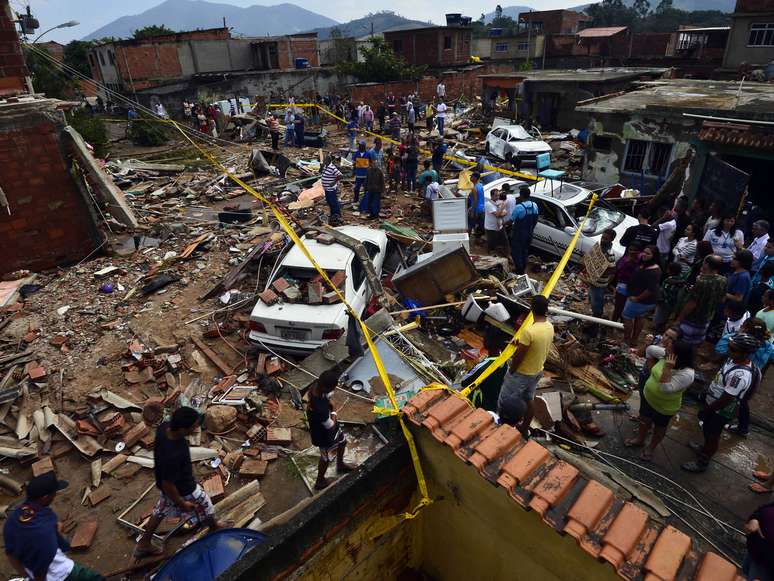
92,129
145,132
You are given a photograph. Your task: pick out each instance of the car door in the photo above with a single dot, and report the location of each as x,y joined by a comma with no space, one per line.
550,234
496,142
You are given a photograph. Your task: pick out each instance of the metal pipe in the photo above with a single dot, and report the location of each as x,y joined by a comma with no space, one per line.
587,318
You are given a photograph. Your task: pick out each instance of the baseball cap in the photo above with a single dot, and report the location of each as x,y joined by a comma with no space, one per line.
44,485
512,409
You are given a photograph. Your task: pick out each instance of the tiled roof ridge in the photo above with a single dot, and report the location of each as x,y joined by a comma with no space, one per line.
610,529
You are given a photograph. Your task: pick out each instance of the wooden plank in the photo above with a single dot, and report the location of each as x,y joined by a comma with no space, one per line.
116,461
42,466
212,356
84,535
99,494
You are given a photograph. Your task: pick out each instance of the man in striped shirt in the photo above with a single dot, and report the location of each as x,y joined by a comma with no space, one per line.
330,182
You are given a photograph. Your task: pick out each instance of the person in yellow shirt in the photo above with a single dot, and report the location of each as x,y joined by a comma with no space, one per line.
527,363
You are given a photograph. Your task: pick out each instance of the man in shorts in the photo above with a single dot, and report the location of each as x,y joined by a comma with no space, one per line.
180,494
735,381
527,363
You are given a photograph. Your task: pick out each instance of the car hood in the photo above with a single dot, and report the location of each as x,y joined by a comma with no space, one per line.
531,146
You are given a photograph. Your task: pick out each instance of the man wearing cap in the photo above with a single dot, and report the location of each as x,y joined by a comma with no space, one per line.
180,494
33,543
735,381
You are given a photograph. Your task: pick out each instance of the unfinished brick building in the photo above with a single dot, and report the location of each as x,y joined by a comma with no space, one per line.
47,176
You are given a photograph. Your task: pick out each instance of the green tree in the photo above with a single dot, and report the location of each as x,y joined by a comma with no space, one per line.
147,132
151,31
46,76
76,56
641,7
380,65
612,13
663,6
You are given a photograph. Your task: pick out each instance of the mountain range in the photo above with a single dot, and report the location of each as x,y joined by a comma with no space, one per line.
381,21
288,18
192,14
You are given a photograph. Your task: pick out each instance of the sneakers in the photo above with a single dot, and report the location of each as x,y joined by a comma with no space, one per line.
734,429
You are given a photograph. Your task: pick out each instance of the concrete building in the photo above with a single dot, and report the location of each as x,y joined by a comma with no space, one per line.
134,65
635,137
335,50
751,40
548,97
434,46
521,47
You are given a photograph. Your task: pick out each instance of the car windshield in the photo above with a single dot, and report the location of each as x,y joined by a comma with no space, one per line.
518,133
602,217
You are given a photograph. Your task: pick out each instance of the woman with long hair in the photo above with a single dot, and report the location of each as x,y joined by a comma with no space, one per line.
643,290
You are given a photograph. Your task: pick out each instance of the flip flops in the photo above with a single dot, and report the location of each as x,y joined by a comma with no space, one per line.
761,475
759,488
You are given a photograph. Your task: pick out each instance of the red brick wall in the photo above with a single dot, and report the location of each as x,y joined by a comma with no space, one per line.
461,82
148,63
290,49
13,70
425,46
648,44
754,6
209,34
49,223
556,21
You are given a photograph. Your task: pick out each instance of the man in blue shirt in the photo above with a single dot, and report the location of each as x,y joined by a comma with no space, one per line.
33,543
525,218
477,203
361,161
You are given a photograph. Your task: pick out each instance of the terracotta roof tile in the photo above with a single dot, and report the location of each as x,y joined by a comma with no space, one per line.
608,528
593,503
529,457
715,568
667,554
624,532
554,487
494,446
472,426
742,135
443,415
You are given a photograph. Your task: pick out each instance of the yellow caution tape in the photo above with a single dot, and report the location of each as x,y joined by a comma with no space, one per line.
510,349
286,226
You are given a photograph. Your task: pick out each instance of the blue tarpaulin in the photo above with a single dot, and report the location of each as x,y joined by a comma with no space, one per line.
205,559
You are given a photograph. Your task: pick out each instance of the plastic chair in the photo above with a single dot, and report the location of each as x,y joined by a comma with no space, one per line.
542,163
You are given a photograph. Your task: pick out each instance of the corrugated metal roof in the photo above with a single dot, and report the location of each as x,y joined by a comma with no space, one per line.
600,32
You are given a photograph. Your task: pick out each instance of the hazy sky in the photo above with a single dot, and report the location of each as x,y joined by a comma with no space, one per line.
95,13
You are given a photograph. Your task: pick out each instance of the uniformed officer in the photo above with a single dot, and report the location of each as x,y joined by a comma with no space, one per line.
33,543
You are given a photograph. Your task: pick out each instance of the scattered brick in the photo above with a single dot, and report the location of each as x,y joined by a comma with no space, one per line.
213,486
83,535
253,468
99,494
280,285
42,466
268,296
278,436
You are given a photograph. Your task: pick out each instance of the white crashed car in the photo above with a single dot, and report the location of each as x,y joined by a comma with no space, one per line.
514,144
300,328
562,207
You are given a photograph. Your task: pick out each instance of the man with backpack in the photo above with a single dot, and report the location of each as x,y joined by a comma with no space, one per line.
524,219
736,381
